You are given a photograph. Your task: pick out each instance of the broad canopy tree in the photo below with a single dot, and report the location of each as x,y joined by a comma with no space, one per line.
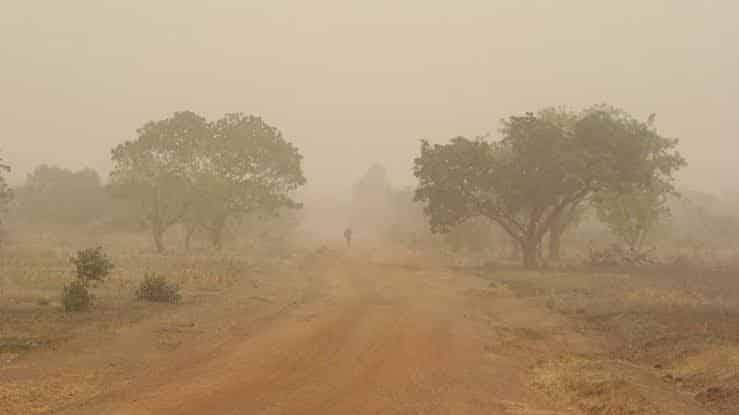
186,169
245,166
540,169
154,169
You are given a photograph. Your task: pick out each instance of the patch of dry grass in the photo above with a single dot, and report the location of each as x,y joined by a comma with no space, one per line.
593,387
38,397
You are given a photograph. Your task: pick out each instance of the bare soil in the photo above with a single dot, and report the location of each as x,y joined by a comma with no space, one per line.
338,332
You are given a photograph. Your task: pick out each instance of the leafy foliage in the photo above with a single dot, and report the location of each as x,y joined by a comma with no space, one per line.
155,169
544,164
186,169
92,264
633,215
56,195
156,288
372,201
76,297
245,165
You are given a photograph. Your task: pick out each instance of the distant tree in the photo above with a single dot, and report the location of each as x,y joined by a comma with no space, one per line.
632,216
155,170
56,195
6,193
245,166
407,221
539,169
699,220
372,200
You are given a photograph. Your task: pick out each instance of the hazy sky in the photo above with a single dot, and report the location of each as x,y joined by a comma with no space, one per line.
357,82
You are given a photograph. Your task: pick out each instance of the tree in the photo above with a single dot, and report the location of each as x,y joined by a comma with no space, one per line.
55,195
566,220
155,169
245,165
634,215
569,217
6,193
372,200
539,169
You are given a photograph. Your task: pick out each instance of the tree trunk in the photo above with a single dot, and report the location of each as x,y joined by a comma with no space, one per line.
515,250
530,250
189,232
556,230
555,241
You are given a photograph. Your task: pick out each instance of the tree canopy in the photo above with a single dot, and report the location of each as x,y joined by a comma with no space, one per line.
632,216
154,169
53,194
372,201
245,165
544,164
187,169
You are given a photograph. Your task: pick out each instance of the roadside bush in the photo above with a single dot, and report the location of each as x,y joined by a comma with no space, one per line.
92,264
617,255
76,297
156,288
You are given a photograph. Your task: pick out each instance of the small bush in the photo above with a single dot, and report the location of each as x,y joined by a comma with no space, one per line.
156,288
618,256
76,297
92,264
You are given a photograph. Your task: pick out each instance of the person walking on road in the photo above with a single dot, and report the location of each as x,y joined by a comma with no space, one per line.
348,236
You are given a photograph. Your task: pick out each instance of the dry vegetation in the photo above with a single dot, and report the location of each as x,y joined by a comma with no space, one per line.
666,331
35,266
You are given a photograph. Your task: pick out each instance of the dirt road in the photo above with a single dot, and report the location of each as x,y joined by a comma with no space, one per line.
369,338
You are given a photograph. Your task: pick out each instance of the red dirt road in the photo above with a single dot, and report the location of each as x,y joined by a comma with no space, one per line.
372,338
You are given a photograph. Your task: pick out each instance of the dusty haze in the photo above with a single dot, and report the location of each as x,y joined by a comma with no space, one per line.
354,83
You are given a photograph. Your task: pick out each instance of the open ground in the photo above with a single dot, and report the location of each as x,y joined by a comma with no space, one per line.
334,331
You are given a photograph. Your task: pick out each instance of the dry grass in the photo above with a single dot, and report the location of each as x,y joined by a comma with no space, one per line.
39,397
669,327
34,266
592,387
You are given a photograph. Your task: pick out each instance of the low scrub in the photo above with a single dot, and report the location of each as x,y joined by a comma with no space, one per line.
76,297
92,264
156,288
618,256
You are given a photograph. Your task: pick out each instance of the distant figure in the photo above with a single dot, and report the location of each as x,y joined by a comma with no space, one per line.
348,236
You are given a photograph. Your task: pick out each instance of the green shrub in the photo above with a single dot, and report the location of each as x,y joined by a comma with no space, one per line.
92,264
76,297
156,288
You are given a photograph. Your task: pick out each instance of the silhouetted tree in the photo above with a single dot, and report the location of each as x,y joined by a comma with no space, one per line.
155,169
245,166
540,168
56,195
